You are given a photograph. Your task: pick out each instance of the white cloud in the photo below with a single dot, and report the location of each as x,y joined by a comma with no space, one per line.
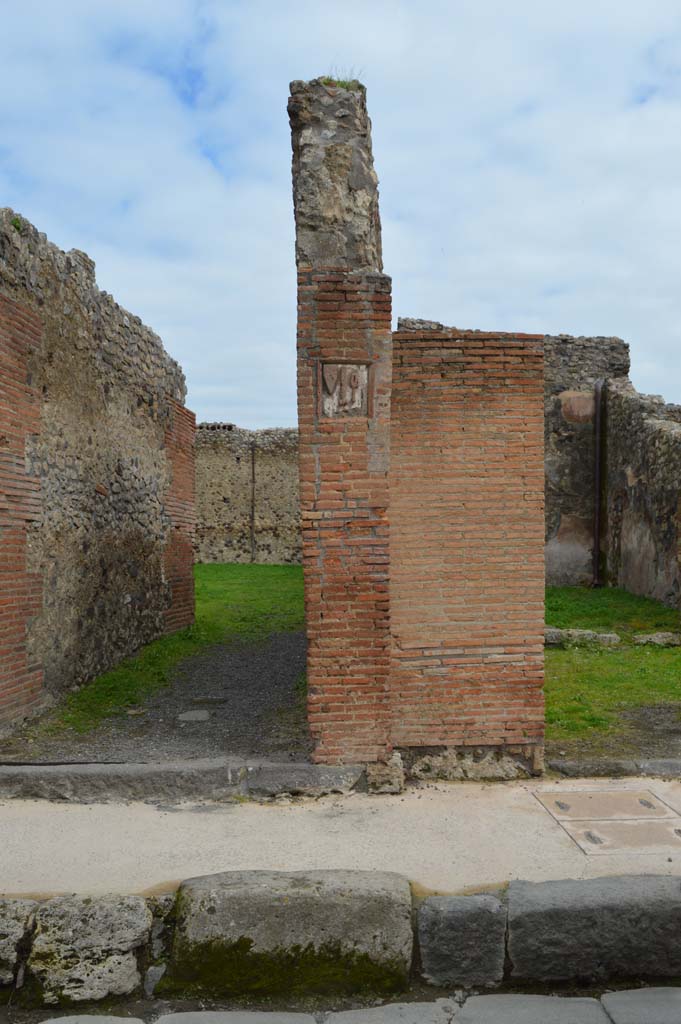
528,157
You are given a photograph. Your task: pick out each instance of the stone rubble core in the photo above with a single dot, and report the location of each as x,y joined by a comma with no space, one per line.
96,476
330,933
423,561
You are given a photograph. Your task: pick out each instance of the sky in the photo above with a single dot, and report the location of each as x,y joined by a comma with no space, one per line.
529,157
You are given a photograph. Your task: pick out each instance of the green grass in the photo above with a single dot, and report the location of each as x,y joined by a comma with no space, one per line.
233,603
607,609
587,688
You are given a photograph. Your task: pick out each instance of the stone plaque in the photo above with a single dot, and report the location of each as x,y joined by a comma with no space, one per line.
344,389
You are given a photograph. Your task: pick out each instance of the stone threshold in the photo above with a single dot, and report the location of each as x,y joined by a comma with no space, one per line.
214,779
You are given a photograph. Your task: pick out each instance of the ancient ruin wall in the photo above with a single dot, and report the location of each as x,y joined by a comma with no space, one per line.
96,475
344,370
466,551
572,367
247,495
643,489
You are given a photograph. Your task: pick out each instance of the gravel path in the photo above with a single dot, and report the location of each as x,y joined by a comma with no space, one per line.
231,699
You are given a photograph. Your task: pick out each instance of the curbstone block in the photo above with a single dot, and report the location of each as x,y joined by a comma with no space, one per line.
595,929
86,949
531,1010
291,932
15,921
462,940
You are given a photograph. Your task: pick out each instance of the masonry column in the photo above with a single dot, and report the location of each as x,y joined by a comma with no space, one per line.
344,380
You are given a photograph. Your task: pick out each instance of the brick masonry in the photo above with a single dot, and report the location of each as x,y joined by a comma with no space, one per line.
96,476
467,529
344,319
421,484
20,590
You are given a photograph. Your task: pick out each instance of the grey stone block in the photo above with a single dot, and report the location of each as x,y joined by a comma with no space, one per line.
649,1005
235,1017
92,1018
86,949
15,920
301,779
439,1012
209,779
595,929
531,1010
299,932
462,940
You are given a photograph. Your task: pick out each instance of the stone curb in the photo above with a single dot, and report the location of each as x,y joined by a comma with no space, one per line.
167,782
336,932
663,768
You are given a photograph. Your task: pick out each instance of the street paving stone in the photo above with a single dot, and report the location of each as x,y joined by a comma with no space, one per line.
649,1005
639,1006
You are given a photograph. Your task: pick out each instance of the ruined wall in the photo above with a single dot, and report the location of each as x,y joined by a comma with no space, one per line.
247,495
344,371
467,528
96,474
643,489
572,367
421,496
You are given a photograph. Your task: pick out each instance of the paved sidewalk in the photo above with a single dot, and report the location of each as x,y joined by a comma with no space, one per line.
445,838
640,1006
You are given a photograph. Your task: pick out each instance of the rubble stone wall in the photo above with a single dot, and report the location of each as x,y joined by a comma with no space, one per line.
643,493
247,495
572,367
96,474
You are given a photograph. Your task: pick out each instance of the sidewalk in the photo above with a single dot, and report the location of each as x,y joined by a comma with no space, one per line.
445,838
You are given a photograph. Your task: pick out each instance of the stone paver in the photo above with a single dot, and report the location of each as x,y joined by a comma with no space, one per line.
649,1005
235,1017
462,940
440,1012
640,1006
531,1010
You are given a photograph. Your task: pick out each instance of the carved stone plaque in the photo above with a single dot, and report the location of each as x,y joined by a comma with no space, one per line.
344,389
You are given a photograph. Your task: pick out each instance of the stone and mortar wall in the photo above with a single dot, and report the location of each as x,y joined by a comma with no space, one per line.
247,495
643,493
466,551
302,934
96,475
572,367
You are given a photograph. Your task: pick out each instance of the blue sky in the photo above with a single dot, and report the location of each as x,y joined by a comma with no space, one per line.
529,156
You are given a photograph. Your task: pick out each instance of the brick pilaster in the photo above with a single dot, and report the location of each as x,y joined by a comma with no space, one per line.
344,321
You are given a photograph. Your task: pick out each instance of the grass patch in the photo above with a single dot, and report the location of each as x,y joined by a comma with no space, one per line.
607,609
234,603
587,688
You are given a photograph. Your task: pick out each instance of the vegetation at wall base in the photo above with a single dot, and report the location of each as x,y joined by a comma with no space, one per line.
234,604
586,688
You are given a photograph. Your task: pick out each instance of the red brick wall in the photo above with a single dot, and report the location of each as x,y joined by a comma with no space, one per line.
20,590
179,503
345,318
467,533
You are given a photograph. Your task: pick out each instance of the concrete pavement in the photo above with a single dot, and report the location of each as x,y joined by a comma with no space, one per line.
445,838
